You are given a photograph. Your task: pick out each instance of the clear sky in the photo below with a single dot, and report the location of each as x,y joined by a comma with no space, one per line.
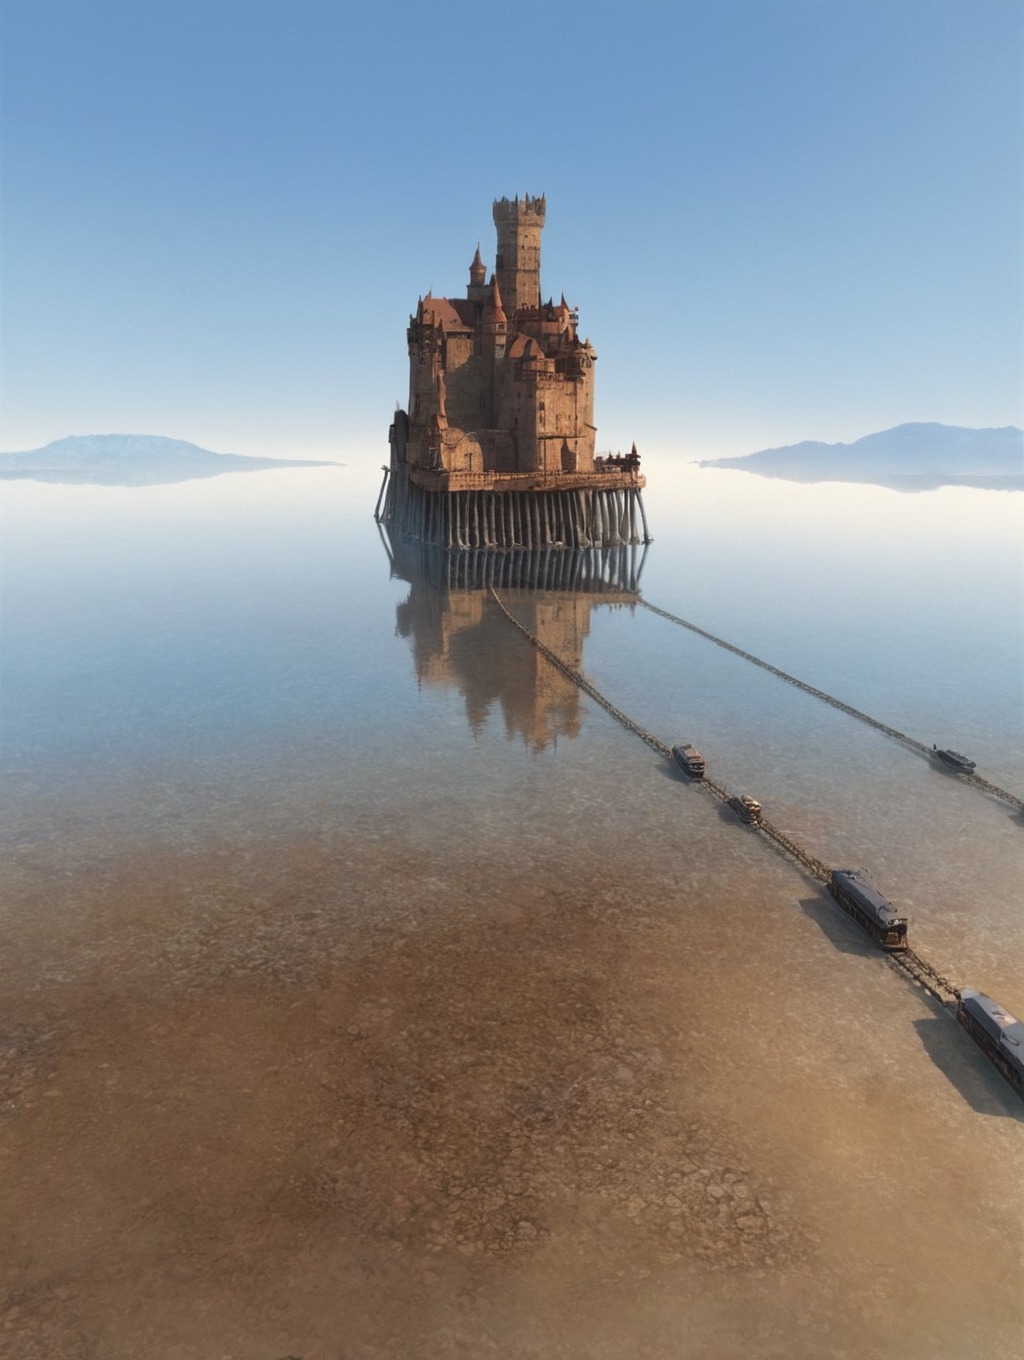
780,219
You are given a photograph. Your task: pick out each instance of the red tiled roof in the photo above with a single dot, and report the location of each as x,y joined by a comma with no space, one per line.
524,347
442,312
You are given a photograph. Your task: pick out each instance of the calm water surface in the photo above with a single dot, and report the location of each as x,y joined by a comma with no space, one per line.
252,628
237,737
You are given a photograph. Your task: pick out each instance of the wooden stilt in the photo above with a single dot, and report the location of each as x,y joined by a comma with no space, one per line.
643,516
380,495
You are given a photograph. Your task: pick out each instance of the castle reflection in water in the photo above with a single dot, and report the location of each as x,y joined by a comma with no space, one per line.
460,637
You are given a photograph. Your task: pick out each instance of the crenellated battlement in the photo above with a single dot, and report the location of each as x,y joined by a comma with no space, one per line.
507,211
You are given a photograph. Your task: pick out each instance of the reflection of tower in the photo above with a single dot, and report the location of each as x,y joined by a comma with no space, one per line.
562,622
461,638
459,635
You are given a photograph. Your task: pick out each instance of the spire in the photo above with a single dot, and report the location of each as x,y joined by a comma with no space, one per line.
477,270
493,310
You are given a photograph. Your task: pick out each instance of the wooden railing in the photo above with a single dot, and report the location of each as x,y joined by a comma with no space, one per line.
605,478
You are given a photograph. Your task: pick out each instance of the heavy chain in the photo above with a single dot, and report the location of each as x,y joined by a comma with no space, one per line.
927,751
922,972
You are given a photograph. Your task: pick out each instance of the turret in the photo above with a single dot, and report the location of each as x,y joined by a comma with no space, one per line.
477,290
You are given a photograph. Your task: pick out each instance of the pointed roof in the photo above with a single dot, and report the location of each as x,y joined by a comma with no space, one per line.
477,270
493,310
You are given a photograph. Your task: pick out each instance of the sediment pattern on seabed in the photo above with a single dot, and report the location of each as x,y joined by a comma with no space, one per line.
437,1089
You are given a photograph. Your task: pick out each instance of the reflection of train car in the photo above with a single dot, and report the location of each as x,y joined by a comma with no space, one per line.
860,899
747,809
689,759
955,760
998,1033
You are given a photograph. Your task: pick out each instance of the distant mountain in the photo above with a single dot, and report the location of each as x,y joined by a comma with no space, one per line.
912,457
130,460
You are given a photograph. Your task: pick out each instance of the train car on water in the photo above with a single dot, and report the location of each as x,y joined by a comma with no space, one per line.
997,1033
747,809
859,898
955,760
690,760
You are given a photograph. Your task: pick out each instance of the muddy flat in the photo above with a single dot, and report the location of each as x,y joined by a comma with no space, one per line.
302,1099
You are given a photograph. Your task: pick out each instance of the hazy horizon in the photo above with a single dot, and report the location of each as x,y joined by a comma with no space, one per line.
778,222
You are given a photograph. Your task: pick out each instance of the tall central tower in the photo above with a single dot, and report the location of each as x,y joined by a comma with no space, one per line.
520,222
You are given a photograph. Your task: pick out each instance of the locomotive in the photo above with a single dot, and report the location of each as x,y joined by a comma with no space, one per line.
859,898
997,1033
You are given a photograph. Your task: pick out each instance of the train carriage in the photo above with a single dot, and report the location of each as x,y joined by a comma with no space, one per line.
955,760
997,1033
859,898
690,760
747,809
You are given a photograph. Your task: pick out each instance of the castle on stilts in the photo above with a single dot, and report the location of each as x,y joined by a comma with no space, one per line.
497,448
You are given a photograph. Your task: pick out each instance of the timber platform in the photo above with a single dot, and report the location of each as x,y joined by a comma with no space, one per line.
524,510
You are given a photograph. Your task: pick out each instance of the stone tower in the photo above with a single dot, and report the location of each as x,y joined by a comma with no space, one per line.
520,222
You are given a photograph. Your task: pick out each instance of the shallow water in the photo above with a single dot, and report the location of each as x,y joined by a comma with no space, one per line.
370,991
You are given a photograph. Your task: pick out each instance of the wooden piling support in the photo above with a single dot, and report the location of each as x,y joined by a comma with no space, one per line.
643,516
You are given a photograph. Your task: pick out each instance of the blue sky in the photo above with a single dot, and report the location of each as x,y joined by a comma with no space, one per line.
780,219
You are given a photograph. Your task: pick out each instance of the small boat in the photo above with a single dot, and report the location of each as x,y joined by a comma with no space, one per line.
690,760
955,760
747,809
